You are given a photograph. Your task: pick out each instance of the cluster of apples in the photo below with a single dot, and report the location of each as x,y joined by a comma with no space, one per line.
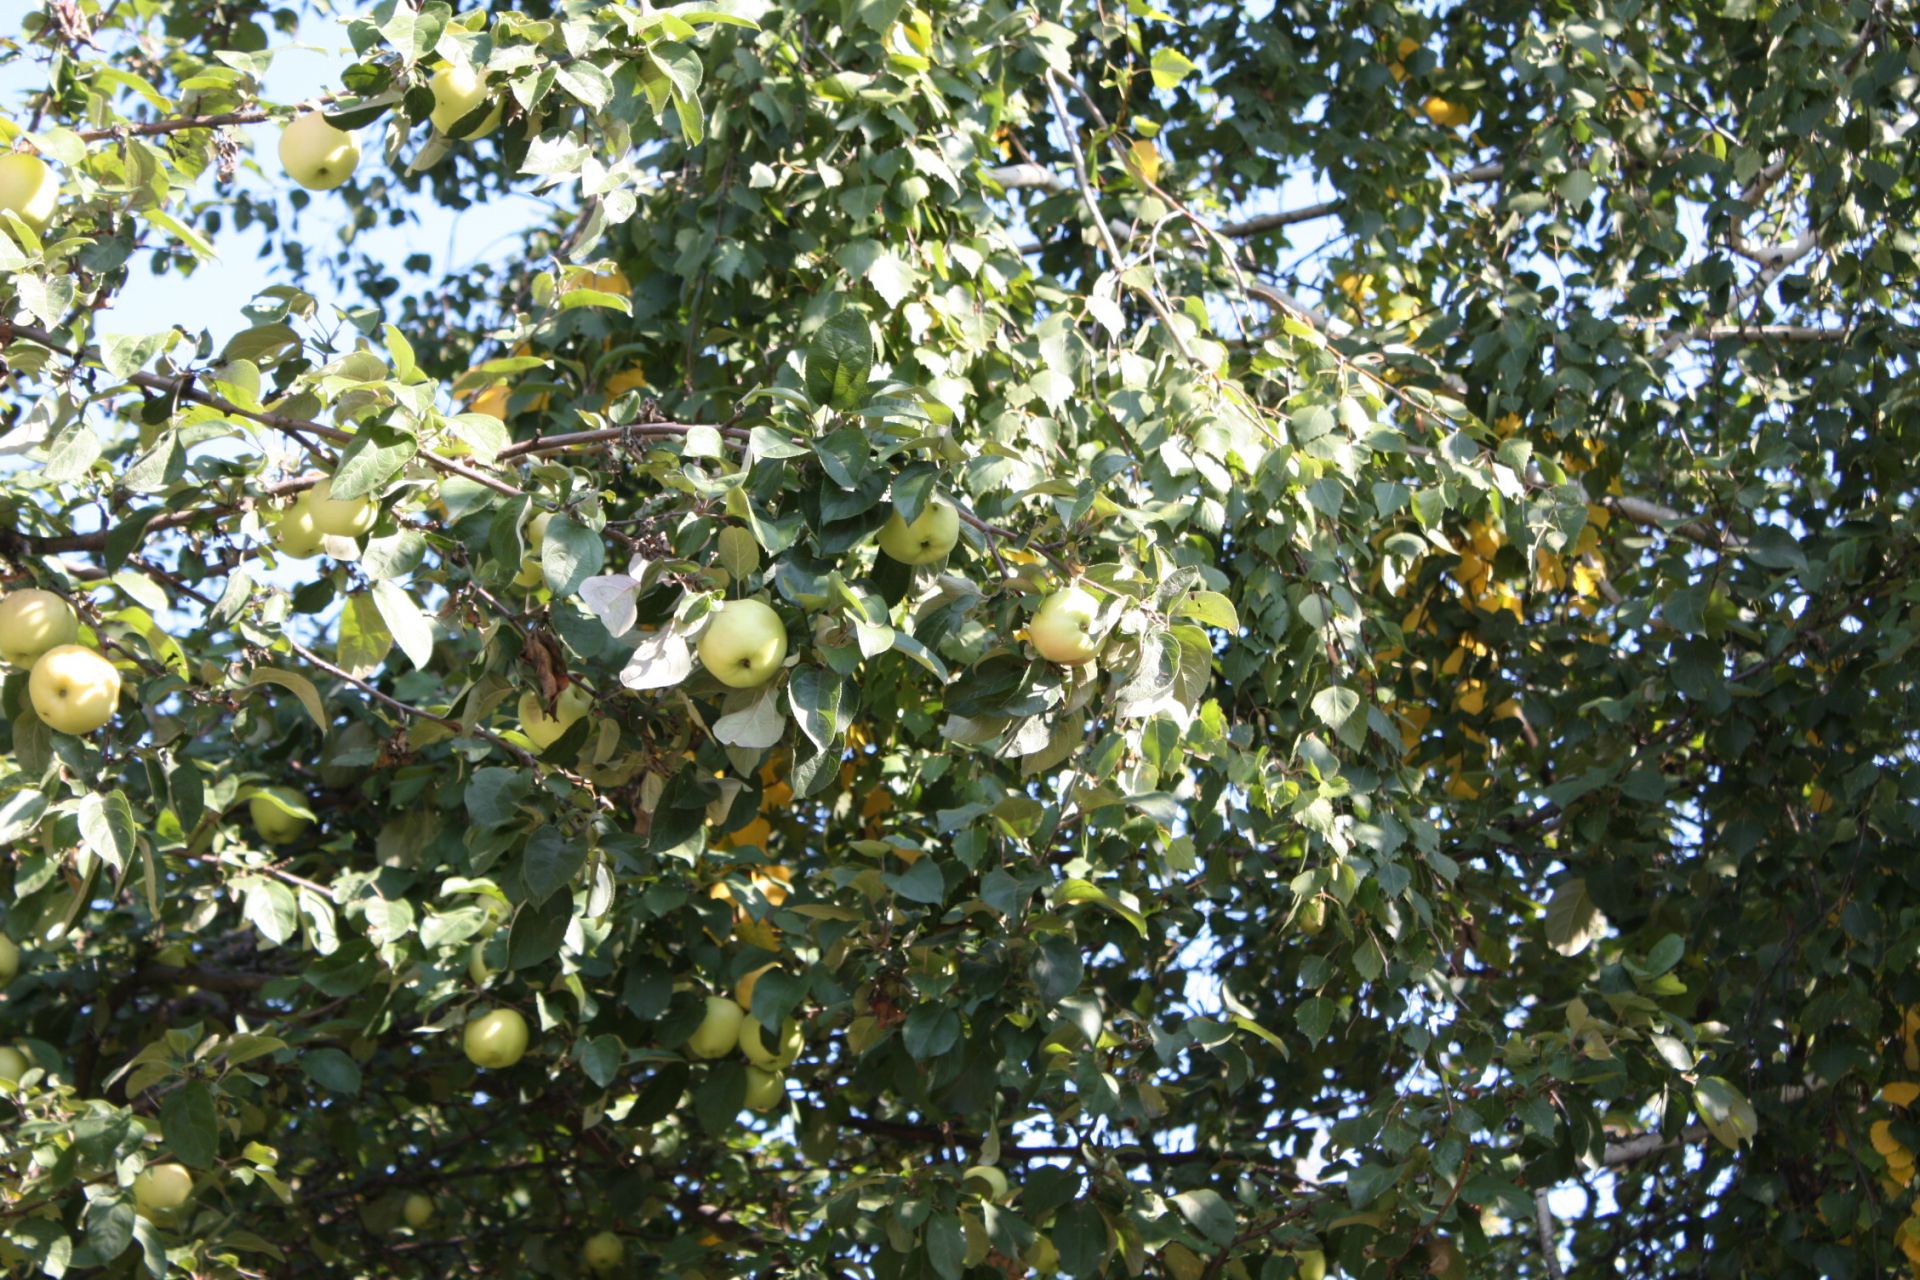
319,156
726,1027
316,515
72,688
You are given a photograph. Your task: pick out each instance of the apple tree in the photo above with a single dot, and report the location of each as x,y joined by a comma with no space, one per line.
1085,638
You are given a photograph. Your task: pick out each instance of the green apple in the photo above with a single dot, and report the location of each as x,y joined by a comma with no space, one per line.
13,1063
1311,1264
32,622
269,812
28,188
603,1252
986,1180
457,94
341,517
719,1030
161,1188
765,1089
315,154
417,1210
477,967
294,532
927,539
783,1054
497,1039
531,576
744,644
1062,627
9,960
544,730
73,689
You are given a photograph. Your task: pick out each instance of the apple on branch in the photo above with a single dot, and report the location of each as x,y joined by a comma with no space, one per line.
744,644
73,689
275,813
458,92
924,540
1062,629
316,155
496,1040
32,622
29,188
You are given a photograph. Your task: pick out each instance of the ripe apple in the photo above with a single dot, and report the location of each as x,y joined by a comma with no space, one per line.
986,1180
744,644
341,517
268,811
73,689
315,154
13,1063
784,1053
927,539
32,622
417,1210
497,1039
603,1252
1062,627
29,188
161,1188
457,94
9,960
544,730
765,1089
531,575
719,1031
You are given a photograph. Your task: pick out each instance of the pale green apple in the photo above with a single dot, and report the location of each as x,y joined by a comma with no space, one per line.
316,155
161,1188
457,94
603,1252
927,539
32,622
269,812
294,532
73,689
719,1030
531,575
9,960
783,1054
340,517
28,188
498,1039
744,644
765,1089
544,730
417,1209
13,1063
1062,628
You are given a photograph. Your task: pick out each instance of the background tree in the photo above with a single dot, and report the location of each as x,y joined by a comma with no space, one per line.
1478,439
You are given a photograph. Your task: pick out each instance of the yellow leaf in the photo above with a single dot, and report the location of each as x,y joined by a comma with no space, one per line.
1901,1093
1144,157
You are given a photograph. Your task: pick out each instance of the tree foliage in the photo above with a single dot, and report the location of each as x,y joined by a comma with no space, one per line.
1487,430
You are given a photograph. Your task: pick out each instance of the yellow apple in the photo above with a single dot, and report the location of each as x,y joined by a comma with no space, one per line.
13,1063
29,188
531,576
457,94
73,689
268,811
986,1180
925,540
294,532
765,1089
315,154
603,1252
9,960
719,1030
32,622
161,1188
1311,1264
744,644
544,730
497,1039
783,1054
417,1210
341,517
1062,627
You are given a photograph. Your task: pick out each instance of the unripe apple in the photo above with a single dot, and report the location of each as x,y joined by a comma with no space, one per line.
531,575
13,1063
986,1180
784,1052
161,1188
1062,627
32,622
744,644
268,810
1311,1264
73,689
316,155
9,960
544,730
28,188
457,94
341,517
719,1030
477,967
417,1210
765,1089
294,532
926,539
603,1252
497,1039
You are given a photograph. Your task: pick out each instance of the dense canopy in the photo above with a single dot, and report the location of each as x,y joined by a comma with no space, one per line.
1089,638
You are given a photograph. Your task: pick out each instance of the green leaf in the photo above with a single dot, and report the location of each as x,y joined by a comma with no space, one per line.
374,456
538,932
1170,67
571,554
301,688
946,1246
107,828
1208,1214
272,910
1729,1117
1335,705
839,359
332,1070
601,1058
1076,890
1210,609
1314,1017
930,1030
550,863
921,882
190,1124
408,626
1573,921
